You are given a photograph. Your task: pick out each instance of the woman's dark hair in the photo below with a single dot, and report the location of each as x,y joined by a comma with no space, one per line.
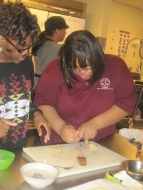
17,22
81,45
40,41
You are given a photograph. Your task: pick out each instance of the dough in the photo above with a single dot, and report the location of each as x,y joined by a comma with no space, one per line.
93,146
99,188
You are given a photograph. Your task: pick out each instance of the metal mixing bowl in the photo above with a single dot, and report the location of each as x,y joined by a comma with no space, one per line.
134,168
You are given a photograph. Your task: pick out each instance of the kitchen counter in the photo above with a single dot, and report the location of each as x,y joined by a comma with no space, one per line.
11,179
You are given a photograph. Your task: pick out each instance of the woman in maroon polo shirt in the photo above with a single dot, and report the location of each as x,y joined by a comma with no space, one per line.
83,92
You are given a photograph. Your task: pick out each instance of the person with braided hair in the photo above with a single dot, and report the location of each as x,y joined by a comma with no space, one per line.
47,46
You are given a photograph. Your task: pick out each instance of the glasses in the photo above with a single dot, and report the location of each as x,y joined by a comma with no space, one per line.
88,68
16,48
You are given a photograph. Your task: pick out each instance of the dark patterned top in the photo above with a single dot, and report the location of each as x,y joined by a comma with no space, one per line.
16,81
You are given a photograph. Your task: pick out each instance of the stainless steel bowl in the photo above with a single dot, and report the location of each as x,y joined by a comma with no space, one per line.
134,168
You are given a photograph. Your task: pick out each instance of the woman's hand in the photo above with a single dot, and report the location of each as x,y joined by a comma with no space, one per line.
87,131
69,134
4,126
39,121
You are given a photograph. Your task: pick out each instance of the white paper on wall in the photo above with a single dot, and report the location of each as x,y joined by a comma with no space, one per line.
41,16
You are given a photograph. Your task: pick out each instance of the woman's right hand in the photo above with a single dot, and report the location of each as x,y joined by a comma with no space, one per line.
4,126
69,134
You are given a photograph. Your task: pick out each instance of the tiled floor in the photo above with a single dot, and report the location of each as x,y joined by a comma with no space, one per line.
33,139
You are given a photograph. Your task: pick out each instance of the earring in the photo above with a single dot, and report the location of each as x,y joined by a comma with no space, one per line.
1,48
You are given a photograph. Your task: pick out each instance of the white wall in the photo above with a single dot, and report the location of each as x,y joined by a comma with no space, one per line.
105,16
124,17
97,16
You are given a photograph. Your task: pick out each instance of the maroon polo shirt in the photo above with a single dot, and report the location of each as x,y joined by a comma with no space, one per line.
85,101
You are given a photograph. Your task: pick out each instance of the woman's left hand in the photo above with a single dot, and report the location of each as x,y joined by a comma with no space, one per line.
87,131
39,121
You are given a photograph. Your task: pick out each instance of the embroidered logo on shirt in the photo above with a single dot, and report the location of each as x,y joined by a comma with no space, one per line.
105,83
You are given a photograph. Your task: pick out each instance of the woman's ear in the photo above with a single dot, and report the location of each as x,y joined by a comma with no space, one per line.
57,31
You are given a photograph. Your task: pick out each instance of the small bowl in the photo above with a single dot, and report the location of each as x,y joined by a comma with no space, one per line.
134,168
6,159
39,175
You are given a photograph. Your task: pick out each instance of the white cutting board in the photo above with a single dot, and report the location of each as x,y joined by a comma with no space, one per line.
65,155
99,183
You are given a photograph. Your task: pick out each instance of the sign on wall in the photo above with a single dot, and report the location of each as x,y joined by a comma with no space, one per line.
122,43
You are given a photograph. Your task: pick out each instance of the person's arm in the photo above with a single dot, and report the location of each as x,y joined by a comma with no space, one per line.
4,126
56,122
39,120
111,116
66,132
89,129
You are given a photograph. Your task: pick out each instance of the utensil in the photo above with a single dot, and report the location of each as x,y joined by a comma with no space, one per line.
111,177
80,157
81,144
133,168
